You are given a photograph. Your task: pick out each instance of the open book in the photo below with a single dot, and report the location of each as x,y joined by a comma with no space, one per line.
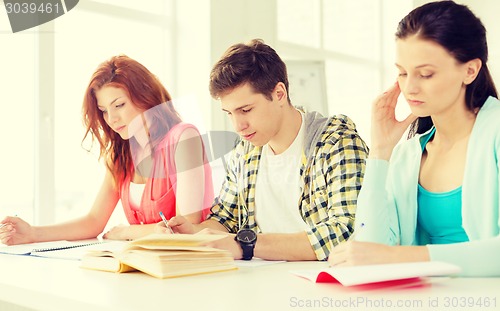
161,255
357,275
53,249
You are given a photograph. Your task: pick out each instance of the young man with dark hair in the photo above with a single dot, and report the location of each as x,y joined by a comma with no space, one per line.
293,180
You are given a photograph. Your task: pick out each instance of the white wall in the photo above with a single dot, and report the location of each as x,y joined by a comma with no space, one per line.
235,22
487,10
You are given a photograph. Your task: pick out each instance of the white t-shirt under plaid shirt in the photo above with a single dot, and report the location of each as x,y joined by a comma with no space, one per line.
277,191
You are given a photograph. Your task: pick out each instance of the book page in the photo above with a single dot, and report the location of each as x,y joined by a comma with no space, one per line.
176,239
72,253
355,275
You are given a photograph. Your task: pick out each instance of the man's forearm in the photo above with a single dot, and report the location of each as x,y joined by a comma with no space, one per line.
284,246
211,224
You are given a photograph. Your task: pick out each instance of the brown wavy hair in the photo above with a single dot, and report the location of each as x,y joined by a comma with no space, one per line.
145,91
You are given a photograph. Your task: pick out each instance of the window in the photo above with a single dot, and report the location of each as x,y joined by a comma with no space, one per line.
18,80
299,22
357,49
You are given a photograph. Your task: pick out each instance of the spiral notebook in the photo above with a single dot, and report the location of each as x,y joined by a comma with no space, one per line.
53,249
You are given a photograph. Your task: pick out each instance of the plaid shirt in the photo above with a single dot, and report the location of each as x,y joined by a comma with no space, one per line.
332,170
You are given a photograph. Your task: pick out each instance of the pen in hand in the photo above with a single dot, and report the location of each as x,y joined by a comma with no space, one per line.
166,222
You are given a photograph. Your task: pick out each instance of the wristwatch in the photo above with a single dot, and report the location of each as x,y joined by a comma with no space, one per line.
247,239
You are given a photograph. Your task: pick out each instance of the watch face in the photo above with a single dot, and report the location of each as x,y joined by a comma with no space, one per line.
246,236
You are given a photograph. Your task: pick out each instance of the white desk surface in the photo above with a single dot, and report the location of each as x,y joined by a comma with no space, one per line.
30,283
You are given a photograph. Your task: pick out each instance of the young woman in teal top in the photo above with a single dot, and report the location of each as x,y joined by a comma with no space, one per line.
435,196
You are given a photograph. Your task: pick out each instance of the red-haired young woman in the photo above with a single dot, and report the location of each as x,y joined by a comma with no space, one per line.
155,162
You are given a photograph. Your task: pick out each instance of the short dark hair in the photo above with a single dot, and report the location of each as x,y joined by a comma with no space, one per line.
255,63
456,28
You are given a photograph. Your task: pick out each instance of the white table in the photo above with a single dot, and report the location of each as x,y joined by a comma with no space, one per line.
28,283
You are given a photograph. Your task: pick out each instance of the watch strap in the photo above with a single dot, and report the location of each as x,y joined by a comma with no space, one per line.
247,250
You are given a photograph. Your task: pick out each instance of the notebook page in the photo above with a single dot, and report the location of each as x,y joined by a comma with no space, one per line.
39,247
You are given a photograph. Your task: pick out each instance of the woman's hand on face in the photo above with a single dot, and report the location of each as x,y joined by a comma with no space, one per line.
386,130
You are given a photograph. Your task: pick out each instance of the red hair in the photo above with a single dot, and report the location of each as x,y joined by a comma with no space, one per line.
145,91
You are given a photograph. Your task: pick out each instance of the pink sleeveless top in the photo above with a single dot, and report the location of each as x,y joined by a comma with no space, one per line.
160,188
